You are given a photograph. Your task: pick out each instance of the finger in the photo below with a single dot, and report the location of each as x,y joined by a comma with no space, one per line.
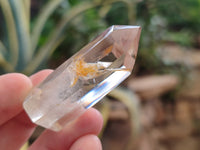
13,89
87,142
18,129
89,123
40,76
14,133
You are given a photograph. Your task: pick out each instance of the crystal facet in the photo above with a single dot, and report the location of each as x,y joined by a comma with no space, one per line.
85,78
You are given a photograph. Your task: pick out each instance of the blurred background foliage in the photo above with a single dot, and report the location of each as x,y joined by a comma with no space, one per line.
66,26
161,21
42,34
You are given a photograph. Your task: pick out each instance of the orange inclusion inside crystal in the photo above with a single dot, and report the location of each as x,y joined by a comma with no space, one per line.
107,50
84,69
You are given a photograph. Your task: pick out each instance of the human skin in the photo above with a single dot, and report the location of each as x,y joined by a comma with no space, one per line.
16,127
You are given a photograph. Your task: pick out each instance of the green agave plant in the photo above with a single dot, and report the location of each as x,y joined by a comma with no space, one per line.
20,51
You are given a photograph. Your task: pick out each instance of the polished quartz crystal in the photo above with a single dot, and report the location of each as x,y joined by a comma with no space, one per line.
85,78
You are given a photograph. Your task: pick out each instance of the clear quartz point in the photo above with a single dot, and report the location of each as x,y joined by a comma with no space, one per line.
85,78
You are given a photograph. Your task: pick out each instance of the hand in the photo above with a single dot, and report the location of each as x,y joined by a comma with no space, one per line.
16,127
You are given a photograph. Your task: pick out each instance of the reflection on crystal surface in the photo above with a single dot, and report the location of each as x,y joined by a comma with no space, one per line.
85,78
